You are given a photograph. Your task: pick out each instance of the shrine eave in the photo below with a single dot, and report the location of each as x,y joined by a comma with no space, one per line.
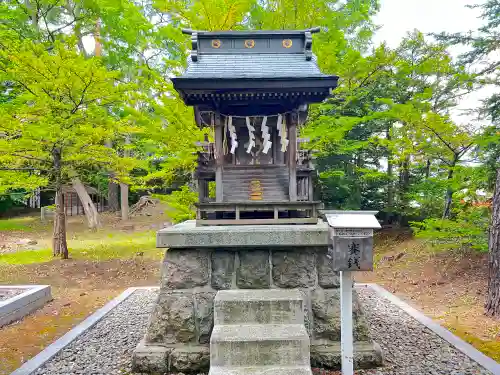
298,90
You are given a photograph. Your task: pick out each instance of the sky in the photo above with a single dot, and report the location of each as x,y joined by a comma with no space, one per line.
397,17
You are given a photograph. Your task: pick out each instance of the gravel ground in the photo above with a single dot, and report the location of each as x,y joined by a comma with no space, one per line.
409,347
107,347
6,293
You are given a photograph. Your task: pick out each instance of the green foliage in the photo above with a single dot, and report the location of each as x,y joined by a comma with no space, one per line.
385,140
11,199
64,106
180,204
467,230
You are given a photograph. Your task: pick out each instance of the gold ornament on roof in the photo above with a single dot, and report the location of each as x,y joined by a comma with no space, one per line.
216,43
249,43
287,43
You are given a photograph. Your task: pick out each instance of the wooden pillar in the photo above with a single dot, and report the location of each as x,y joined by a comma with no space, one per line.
292,120
310,190
219,153
201,190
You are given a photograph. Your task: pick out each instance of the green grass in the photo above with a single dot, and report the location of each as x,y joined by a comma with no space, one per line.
107,246
489,347
24,224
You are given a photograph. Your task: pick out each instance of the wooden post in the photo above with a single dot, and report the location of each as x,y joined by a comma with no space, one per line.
201,190
346,336
310,190
219,153
292,120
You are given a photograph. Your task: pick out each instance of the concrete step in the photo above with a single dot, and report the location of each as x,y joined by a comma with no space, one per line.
271,306
261,370
259,345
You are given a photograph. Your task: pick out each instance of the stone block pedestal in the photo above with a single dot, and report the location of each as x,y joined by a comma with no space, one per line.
203,260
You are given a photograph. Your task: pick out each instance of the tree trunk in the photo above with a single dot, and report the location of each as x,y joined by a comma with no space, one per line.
404,186
124,200
492,305
88,206
59,244
390,189
428,169
113,190
449,191
113,196
124,187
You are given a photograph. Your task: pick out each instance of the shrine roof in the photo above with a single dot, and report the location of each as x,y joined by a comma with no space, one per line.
234,68
252,54
271,65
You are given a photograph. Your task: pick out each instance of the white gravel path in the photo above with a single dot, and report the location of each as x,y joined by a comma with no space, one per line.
409,347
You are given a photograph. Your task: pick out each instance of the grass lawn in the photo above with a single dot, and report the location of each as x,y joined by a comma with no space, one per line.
22,224
102,264
95,246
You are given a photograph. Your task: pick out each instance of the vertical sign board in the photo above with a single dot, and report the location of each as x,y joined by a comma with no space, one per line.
350,249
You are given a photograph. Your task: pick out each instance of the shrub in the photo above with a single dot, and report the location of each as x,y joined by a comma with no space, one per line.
180,204
468,229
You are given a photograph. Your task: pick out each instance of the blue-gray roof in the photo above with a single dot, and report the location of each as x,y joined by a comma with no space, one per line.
270,65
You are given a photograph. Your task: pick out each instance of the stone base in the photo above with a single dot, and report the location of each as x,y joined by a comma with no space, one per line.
203,260
327,355
158,359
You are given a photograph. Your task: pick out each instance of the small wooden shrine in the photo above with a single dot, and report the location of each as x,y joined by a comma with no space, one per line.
253,89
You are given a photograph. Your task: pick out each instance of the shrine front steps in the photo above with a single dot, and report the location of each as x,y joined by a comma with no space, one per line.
261,370
255,345
258,306
259,332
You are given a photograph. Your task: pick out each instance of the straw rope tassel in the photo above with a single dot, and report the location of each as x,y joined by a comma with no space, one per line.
232,133
224,143
251,135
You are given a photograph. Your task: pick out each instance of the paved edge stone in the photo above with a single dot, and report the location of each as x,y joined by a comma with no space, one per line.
467,349
50,351
19,306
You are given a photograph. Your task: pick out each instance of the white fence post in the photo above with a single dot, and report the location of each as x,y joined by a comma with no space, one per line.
346,344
